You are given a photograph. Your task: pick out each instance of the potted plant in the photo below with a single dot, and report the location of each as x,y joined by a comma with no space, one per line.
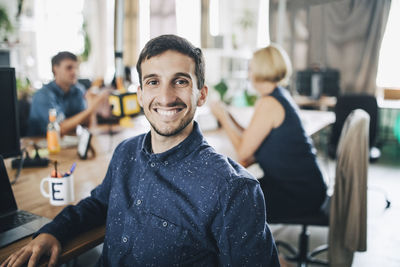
5,24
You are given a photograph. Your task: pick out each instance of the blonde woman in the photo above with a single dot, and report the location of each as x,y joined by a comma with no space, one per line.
275,138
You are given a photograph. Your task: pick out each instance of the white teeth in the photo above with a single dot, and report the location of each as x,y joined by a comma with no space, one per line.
167,112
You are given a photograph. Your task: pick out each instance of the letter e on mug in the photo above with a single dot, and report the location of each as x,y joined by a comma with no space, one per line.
60,190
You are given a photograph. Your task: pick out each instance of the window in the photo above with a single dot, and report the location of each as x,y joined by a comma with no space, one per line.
389,58
59,28
188,20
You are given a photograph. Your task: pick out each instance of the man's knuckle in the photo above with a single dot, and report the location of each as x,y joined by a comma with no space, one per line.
37,247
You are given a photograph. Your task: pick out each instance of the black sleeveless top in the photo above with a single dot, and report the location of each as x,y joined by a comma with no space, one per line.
287,155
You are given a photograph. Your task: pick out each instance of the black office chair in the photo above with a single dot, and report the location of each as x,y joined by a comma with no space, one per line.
301,255
346,104
85,82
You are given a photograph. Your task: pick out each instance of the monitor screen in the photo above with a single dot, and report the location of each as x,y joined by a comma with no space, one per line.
9,133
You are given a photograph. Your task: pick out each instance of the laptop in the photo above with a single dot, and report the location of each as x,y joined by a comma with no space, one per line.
14,224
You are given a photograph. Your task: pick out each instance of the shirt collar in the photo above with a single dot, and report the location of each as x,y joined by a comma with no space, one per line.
57,89
179,151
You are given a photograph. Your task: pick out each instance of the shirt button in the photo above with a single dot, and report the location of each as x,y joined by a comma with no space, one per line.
138,202
164,224
124,239
152,164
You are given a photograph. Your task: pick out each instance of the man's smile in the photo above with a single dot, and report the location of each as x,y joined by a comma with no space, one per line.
169,113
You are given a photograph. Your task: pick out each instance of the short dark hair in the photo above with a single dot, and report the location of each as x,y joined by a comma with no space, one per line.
56,60
162,43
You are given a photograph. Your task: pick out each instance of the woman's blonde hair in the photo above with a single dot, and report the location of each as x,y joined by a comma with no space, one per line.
271,64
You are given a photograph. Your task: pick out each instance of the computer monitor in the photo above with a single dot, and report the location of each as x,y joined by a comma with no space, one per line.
9,133
317,82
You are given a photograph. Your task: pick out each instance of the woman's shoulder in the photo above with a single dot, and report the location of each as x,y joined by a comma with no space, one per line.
271,106
268,103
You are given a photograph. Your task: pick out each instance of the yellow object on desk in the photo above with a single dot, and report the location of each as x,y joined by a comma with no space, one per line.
124,104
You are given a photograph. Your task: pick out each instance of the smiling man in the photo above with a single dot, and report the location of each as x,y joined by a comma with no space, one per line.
168,199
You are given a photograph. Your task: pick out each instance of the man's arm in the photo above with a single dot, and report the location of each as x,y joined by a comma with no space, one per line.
241,231
94,101
48,240
72,220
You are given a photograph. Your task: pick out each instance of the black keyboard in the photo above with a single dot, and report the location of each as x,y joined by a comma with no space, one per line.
16,219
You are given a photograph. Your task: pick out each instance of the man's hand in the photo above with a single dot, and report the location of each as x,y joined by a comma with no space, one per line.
95,98
42,244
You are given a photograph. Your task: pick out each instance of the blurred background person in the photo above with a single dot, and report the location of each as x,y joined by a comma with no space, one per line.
293,184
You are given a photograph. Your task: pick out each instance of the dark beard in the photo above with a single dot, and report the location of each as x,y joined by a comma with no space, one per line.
175,131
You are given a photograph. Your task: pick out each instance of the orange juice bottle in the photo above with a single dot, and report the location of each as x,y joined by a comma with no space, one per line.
53,133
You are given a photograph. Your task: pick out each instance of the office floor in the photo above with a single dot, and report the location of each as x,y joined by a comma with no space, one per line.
383,225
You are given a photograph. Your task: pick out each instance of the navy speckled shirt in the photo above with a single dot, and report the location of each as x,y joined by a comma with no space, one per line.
187,206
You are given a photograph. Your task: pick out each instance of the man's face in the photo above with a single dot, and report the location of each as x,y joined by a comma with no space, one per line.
169,96
66,72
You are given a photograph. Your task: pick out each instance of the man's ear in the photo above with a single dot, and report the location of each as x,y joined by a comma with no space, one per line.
54,69
203,96
139,95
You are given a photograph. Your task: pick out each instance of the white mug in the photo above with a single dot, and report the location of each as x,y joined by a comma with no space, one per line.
61,190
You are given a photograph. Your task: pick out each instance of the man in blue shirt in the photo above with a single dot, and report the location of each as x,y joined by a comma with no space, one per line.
168,199
65,95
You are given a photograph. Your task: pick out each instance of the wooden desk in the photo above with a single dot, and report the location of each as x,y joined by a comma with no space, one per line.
89,173
313,120
322,103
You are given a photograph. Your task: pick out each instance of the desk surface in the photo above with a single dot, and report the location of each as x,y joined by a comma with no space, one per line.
322,103
89,173
388,103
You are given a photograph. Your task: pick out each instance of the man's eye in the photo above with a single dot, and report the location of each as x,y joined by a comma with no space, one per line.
152,82
181,82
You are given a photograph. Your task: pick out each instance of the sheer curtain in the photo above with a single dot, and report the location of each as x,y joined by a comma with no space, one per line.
345,35
162,17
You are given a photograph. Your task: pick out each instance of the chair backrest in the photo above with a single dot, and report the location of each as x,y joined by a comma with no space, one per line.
344,106
85,82
348,212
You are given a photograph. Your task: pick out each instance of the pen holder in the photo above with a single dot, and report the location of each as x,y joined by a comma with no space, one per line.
61,190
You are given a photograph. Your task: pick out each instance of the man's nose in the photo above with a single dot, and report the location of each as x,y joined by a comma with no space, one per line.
166,95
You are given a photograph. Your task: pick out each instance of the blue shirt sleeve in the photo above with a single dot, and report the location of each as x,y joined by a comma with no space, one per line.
38,115
47,98
82,104
240,228
42,101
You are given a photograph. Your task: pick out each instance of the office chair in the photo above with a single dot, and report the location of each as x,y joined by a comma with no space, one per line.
85,82
346,104
350,185
301,255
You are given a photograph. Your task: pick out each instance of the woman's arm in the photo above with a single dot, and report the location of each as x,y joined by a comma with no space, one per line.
268,114
234,121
